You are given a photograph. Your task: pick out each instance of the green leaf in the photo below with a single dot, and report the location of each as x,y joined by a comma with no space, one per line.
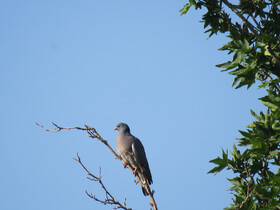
274,154
244,133
216,169
227,46
264,84
263,192
192,2
238,71
218,161
269,105
221,162
235,182
254,114
235,81
238,57
225,65
235,152
272,101
186,7
276,179
225,155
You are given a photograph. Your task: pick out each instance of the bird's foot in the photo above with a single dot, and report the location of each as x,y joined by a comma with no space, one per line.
134,172
125,164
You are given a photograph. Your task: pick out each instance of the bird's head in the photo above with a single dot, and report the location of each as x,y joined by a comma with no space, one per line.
122,127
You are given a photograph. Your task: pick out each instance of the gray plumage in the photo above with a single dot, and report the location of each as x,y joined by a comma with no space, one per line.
127,144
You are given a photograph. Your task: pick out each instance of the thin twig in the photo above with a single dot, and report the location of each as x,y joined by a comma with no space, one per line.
256,22
109,198
249,194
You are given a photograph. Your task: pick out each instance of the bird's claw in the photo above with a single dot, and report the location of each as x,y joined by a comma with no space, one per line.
125,164
134,172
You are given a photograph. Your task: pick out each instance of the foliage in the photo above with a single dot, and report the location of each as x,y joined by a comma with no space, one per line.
253,29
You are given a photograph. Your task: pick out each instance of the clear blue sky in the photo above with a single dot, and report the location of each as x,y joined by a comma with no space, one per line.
104,62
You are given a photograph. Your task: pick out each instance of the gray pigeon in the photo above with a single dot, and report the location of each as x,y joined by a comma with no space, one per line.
127,144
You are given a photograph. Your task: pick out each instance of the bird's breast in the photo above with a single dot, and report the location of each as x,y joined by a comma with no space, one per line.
124,143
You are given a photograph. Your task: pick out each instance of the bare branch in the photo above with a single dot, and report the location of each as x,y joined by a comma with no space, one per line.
59,128
145,185
109,198
92,133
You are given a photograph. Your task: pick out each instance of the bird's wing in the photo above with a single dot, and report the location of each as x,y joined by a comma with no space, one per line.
139,152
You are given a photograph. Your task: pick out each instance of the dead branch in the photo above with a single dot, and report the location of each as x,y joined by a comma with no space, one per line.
92,133
109,198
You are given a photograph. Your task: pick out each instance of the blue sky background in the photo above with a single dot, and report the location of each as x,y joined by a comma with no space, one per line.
100,63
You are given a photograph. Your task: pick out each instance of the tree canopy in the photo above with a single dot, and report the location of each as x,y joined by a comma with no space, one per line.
253,29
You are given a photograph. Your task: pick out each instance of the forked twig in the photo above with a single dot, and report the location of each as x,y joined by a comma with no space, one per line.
109,198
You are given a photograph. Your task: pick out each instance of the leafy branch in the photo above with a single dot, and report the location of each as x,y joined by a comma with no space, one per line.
254,39
248,183
240,15
256,186
251,26
254,44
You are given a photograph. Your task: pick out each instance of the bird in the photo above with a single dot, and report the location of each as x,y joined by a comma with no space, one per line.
127,146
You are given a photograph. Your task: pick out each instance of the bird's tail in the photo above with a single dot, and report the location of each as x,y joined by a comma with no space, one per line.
144,191
142,178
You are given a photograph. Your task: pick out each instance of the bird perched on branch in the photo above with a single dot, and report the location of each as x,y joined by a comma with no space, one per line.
130,148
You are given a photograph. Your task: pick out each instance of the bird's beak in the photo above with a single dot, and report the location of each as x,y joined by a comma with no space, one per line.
116,128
